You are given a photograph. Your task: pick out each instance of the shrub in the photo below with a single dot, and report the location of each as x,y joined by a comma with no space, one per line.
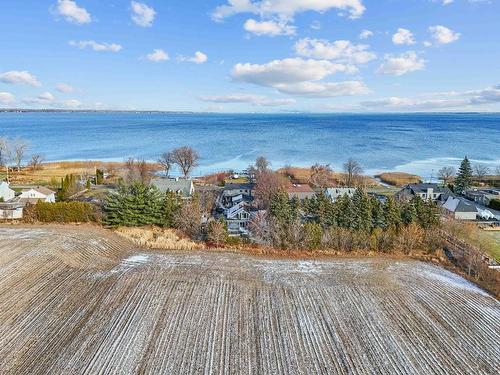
61,212
495,204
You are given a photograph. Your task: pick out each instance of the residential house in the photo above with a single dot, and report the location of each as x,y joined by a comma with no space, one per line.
426,191
482,196
11,211
6,193
460,209
231,190
238,218
183,187
37,194
235,204
335,193
300,191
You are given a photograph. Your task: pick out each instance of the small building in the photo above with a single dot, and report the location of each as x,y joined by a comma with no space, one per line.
300,191
460,209
231,190
183,187
37,194
336,193
11,211
482,196
426,191
238,219
6,193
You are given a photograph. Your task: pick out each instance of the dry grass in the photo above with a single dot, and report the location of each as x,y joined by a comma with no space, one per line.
303,175
57,170
399,178
158,238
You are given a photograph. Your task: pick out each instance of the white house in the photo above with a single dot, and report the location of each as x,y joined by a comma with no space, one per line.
460,209
6,193
36,194
336,193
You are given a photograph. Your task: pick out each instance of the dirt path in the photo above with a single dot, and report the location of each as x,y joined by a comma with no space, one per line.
81,300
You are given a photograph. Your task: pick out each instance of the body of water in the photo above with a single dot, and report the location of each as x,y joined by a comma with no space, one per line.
416,143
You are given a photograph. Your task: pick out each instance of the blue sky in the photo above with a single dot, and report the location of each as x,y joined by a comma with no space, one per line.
251,56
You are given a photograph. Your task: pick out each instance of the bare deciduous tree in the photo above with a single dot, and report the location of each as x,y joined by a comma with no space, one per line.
267,184
481,171
353,170
5,154
166,161
36,162
262,164
186,158
321,175
144,172
446,174
130,171
20,146
217,232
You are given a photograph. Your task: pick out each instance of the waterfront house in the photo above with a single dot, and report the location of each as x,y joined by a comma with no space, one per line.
238,218
37,194
482,196
183,187
6,193
460,209
231,190
300,191
337,192
426,191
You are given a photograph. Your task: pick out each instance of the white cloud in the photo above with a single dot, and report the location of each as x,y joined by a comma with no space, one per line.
45,98
142,15
16,77
365,34
158,55
443,35
99,47
270,28
340,50
64,88
315,25
72,104
401,64
297,76
403,36
444,101
72,12
324,89
7,98
286,9
248,98
198,58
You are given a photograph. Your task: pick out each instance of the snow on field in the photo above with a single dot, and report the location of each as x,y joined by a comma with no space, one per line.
84,301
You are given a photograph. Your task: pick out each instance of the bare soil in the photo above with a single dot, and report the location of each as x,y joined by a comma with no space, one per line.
81,300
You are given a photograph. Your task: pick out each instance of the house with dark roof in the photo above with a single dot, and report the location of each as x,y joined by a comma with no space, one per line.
183,187
460,209
426,191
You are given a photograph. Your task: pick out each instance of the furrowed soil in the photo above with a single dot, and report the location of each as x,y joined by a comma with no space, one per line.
78,300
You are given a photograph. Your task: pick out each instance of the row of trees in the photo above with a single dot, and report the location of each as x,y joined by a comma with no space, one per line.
319,222
13,153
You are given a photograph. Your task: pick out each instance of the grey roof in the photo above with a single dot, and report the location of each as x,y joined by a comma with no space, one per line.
459,205
245,186
182,186
422,188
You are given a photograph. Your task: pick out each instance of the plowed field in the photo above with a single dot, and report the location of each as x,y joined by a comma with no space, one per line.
83,301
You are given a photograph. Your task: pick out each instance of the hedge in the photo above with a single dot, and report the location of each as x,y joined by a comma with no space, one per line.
495,204
61,212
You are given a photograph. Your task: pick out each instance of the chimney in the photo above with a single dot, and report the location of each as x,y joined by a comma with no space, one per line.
430,192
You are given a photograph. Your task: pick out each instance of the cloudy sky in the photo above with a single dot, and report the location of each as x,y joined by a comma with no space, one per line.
251,55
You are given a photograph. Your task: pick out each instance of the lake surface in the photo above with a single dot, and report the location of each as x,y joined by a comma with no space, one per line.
416,143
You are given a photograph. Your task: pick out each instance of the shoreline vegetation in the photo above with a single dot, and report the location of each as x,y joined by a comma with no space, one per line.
289,211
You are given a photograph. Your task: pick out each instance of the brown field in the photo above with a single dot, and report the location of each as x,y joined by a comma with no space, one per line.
399,178
81,300
303,175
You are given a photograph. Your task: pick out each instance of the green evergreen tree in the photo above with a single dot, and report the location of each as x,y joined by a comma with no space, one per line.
171,209
134,205
362,218
463,181
345,212
377,213
408,213
284,210
392,215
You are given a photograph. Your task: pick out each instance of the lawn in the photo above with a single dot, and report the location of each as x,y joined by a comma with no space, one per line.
494,237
